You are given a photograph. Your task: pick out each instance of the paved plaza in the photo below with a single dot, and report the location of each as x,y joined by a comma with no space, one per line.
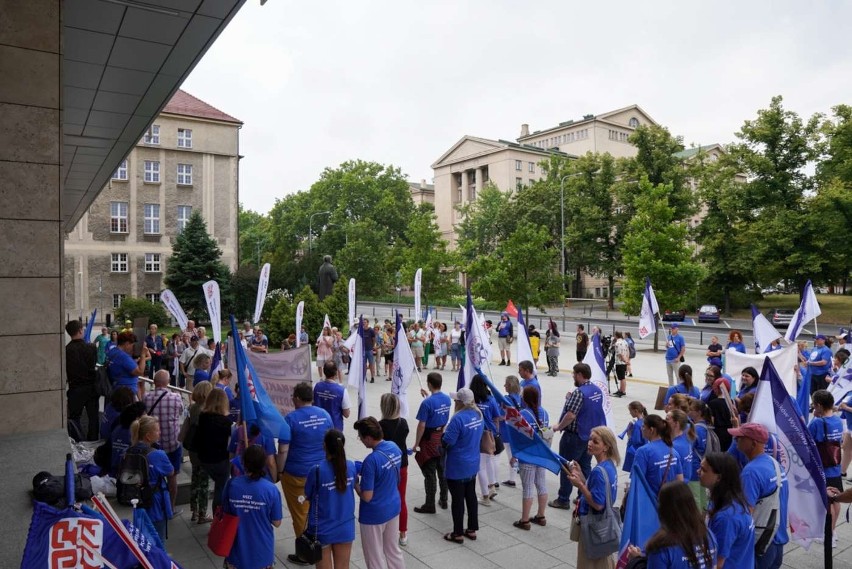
499,543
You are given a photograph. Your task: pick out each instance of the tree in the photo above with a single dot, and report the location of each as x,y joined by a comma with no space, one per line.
485,223
132,308
426,249
195,260
244,283
365,257
255,237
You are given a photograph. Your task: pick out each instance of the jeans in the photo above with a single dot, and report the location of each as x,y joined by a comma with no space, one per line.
219,472
572,447
463,493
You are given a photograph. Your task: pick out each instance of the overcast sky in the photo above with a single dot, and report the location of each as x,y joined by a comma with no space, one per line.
321,82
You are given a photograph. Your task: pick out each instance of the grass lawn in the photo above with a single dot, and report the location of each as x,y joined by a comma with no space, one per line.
836,308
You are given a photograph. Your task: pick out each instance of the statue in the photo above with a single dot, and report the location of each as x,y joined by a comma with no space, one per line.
326,278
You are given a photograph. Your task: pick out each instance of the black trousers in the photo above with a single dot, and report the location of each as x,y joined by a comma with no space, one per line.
463,493
433,478
85,397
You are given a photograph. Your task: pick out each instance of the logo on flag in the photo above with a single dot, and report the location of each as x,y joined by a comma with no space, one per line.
67,539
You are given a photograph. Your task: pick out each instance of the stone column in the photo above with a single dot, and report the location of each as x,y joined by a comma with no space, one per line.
463,187
32,350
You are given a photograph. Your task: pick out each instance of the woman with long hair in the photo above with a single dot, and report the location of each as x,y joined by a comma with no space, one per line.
684,385
257,503
728,516
699,415
658,461
683,435
593,492
513,394
533,478
492,414
711,374
199,487
635,439
144,432
395,429
211,441
551,349
748,381
325,349
332,512
461,440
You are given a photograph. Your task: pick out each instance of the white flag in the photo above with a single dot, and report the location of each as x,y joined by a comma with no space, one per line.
300,312
647,320
524,348
417,314
764,332
403,366
262,285
167,297
807,311
358,370
784,360
211,295
326,323
595,360
351,301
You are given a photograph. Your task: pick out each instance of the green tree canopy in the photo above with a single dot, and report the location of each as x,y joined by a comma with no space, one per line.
426,249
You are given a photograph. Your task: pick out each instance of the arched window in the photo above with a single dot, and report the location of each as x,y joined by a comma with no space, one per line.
634,122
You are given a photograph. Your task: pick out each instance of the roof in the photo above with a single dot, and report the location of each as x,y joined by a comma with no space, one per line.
417,186
493,146
182,103
605,117
690,152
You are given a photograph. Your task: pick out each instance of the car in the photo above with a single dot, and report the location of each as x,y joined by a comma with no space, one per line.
674,315
780,317
708,313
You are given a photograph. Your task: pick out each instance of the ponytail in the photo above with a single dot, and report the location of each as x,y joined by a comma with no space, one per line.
660,427
685,374
141,427
335,442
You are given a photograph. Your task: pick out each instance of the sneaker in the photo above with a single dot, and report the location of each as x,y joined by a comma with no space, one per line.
509,483
176,513
485,501
424,509
834,541
559,505
492,492
403,540
443,504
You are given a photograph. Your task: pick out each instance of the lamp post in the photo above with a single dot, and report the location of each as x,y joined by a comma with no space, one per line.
562,236
311,229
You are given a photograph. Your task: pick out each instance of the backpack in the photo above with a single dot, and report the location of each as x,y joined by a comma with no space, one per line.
766,515
631,348
134,478
712,443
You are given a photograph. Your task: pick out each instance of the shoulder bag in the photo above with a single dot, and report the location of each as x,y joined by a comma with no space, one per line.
601,532
223,530
308,548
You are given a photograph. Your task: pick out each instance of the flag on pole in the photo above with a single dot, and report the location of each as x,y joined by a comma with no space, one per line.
352,302
473,346
87,334
417,278
803,397
217,359
511,309
807,311
403,366
171,303
640,517
262,285
764,332
647,318
524,348
300,312
213,298
326,323
841,384
358,368
595,359
775,409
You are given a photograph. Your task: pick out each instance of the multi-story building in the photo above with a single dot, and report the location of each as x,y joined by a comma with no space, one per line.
421,192
187,161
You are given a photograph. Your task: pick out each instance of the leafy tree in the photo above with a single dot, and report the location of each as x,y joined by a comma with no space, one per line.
829,215
132,308
837,148
244,282
485,223
195,260
255,237
365,257
425,248
282,317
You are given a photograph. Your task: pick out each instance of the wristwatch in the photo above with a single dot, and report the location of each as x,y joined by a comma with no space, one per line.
416,449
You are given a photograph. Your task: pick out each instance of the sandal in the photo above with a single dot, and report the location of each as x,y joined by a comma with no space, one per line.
454,538
539,520
521,524
470,534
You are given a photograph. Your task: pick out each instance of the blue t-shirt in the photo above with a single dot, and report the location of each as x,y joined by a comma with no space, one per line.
683,446
827,429
846,414
434,411
597,488
652,459
681,388
674,345
822,353
738,346
331,510
236,446
635,441
699,448
121,367
462,437
543,420
159,467
675,558
490,411
759,481
109,420
258,505
533,382
733,527
200,375
308,426
120,439
380,473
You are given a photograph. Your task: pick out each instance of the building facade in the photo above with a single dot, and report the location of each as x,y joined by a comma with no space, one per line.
187,161
421,192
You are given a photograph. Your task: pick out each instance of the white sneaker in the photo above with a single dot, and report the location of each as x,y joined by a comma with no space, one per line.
834,541
403,540
492,491
485,501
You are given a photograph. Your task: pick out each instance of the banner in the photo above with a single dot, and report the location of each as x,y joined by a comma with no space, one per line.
171,303
647,318
404,366
280,373
808,310
262,285
351,302
640,518
784,360
300,312
764,332
524,348
595,360
213,298
474,351
417,276
325,324
358,368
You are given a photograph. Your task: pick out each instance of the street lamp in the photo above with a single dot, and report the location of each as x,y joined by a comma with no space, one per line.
562,236
311,227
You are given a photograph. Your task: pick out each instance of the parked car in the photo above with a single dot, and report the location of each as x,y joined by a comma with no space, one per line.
708,313
780,317
674,315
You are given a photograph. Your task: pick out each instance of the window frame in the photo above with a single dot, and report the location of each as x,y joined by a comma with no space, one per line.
154,172
184,141
152,135
116,219
116,262
519,165
150,297
154,265
181,222
154,220
122,168
117,297
184,178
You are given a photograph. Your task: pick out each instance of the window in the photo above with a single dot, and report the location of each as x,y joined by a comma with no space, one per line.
183,214
184,138
152,135
152,218
152,262
119,263
152,171
184,174
532,167
634,122
121,172
518,165
118,217
117,299
519,183
152,297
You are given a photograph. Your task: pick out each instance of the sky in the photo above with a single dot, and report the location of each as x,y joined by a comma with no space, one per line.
318,83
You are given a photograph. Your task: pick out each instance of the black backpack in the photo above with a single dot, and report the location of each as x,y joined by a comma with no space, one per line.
134,478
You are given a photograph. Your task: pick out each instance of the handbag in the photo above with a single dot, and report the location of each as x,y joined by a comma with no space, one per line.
574,532
308,548
601,532
486,443
499,446
223,530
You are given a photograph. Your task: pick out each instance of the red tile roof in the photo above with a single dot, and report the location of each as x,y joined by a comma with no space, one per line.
182,103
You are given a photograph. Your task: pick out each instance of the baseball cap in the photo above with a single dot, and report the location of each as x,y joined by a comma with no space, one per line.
464,395
722,381
819,337
753,431
675,325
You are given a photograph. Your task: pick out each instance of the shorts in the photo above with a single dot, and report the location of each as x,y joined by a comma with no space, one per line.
834,482
369,357
503,343
417,351
620,371
176,458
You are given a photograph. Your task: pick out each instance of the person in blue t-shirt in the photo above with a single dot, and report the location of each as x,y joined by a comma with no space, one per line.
432,417
657,460
635,440
257,503
819,363
603,480
533,477
238,444
735,342
120,439
675,349
144,432
728,515
760,479
378,488
683,435
683,540
202,370
827,430
684,385
513,394
330,488
123,370
702,420
748,382
492,414
461,440
526,371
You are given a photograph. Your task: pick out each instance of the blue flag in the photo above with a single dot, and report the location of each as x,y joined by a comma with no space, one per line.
217,358
87,334
803,395
362,384
640,517
142,522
